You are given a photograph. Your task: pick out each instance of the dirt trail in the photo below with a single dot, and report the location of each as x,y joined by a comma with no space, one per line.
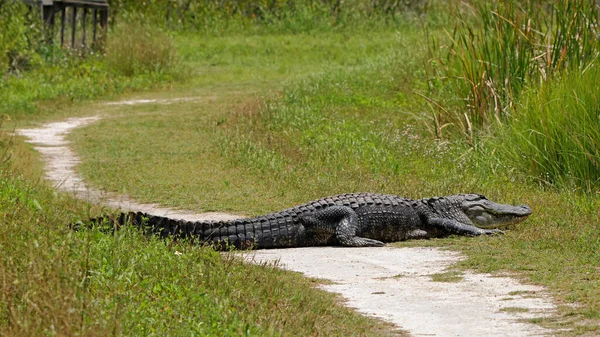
391,283
60,163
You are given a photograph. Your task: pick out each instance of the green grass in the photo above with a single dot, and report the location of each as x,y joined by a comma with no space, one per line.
555,135
252,17
514,309
274,119
340,129
38,79
89,283
61,282
134,49
449,276
56,281
497,50
62,83
204,128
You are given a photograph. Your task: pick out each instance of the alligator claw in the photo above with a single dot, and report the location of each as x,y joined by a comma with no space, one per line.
493,232
365,242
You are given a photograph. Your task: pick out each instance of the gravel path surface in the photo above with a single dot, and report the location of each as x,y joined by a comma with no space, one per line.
391,283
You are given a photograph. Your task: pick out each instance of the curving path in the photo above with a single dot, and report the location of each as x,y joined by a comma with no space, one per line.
394,284
60,169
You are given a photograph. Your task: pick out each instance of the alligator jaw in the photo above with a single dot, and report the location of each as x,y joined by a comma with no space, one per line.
484,213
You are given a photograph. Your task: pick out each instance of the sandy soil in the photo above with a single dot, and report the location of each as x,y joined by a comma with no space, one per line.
394,284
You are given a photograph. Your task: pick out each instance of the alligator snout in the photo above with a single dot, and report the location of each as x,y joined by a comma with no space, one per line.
525,210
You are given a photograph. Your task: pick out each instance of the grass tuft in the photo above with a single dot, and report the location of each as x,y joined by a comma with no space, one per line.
134,49
514,309
449,276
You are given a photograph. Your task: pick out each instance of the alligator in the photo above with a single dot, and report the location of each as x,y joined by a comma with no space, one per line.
353,220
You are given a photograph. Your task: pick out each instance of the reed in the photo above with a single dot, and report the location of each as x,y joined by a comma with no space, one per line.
555,134
499,48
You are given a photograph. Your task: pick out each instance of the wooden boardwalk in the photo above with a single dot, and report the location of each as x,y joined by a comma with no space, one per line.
74,16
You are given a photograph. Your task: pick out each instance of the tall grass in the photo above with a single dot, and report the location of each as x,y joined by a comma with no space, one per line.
499,48
134,49
554,135
219,16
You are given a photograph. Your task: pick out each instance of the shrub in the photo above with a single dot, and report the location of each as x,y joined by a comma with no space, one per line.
219,16
20,36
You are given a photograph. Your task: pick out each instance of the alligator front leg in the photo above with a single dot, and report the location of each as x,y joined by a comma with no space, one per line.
455,227
343,221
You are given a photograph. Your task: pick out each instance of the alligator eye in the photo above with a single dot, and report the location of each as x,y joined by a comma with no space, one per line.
475,197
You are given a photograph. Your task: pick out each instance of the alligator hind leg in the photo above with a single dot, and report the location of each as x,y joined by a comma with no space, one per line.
344,221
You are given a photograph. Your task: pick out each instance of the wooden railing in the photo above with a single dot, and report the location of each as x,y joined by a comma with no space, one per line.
74,16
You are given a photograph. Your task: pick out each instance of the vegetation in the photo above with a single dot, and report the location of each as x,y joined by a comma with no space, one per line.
261,16
353,127
31,71
134,49
17,38
501,49
59,282
555,135
281,109
227,128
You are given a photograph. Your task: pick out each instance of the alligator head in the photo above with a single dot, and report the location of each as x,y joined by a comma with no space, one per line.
484,213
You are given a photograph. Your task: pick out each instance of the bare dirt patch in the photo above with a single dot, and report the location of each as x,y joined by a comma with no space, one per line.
391,283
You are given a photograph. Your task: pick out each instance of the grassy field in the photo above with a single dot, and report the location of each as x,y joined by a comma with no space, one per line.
344,125
201,130
59,282
271,119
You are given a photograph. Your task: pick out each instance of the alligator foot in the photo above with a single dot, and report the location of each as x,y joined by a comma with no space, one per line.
357,241
492,232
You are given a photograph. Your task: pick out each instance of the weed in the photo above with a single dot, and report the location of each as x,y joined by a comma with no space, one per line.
450,276
503,61
259,16
19,38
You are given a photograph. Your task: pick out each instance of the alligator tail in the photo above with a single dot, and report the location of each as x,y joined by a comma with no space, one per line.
221,235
